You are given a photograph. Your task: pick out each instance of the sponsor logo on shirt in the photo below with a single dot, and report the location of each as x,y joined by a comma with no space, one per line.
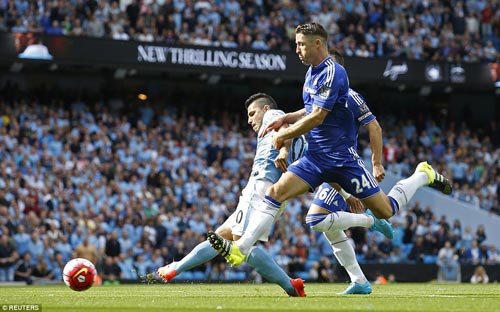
310,90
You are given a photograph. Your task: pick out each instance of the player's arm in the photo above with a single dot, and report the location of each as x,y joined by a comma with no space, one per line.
355,205
375,133
287,118
281,161
302,126
294,116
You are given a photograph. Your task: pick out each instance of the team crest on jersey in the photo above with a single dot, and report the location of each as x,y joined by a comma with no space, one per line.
324,92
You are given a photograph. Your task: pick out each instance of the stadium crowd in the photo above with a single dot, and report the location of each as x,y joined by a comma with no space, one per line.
451,30
132,187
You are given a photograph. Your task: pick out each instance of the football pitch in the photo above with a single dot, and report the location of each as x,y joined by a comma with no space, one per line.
252,297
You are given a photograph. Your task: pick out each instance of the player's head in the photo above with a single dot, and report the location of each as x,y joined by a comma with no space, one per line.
257,104
311,40
337,57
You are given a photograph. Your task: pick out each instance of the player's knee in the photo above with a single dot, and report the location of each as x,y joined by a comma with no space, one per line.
273,192
315,221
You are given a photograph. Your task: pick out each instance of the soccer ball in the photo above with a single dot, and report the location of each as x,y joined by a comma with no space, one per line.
79,274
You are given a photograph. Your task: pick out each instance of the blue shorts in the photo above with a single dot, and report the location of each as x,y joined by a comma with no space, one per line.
351,174
328,198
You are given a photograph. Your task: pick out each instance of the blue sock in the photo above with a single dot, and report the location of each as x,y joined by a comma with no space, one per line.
265,265
200,254
394,205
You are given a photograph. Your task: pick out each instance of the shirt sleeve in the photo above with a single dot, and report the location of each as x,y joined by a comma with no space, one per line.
333,87
361,111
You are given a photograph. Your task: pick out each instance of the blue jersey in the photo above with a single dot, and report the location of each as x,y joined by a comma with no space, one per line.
326,196
360,111
344,166
263,165
327,87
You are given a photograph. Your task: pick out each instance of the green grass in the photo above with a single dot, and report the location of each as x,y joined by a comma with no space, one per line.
251,297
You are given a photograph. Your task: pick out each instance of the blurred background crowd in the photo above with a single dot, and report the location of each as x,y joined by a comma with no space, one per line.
451,30
132,187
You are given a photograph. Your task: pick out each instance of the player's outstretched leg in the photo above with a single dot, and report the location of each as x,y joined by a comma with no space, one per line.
381,225
357,289
265,265
200,254
167,272
226,248
436,180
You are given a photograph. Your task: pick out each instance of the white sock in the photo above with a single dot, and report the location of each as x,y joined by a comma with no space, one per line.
345,255
342,220
261,220
404,190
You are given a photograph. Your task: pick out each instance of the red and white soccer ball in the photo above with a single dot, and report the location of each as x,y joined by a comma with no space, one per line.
79,274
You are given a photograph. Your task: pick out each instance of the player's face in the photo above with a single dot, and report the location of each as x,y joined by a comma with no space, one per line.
255,116
305,48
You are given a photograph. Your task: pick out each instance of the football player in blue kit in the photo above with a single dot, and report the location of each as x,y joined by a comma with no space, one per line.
331,156
327,200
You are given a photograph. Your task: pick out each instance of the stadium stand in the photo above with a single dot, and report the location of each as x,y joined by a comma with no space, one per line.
134,187
458,31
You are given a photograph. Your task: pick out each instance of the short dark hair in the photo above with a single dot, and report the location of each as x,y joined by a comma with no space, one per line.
264,99
312,29
337,57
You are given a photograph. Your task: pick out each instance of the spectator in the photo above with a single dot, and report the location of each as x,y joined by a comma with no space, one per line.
24,269
111,271
8,259
480,276
41,273
87,250
448,266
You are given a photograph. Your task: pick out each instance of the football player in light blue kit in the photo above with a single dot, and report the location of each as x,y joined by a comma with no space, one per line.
269,164
331,156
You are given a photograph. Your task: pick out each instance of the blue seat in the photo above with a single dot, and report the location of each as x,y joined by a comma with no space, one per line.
302,274
360,258
186,276
309,264
406,249
236,276
197,275
430,259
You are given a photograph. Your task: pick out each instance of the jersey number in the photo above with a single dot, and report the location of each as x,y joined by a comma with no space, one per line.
360,185
239,216
323,193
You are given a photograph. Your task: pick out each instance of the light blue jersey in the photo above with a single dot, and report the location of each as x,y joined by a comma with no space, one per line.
263,165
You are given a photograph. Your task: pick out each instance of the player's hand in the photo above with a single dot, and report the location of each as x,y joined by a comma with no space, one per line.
275,124
277,141
355,205
281,161
379,172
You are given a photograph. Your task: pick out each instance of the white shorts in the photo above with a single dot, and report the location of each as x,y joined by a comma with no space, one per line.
252,195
